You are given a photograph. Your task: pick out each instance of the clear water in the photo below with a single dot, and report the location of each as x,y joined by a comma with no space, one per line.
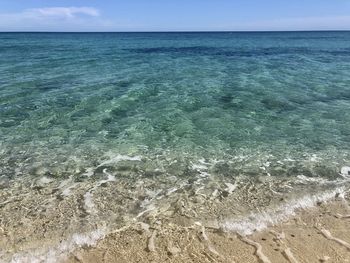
165,108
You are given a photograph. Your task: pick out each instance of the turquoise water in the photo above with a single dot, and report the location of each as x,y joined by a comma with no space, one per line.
84,94
154,105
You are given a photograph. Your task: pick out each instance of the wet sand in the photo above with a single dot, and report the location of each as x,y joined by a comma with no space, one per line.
318,234
202,218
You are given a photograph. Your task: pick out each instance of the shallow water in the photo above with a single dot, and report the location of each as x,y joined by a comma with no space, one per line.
100,130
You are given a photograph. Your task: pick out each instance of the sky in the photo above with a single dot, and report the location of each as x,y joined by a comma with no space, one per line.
174,15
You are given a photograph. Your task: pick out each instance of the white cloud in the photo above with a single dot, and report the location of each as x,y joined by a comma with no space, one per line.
54,19
68,12
87,18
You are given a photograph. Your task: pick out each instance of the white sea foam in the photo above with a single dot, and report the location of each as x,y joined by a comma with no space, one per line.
199,167
315,158
302,179
119,158
89,204
171,190
260,221
44,180
57,254
66,186
110,178
89,172
67,191
202,161
345,171
230,187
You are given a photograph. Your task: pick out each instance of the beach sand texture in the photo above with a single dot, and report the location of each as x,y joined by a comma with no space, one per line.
320,234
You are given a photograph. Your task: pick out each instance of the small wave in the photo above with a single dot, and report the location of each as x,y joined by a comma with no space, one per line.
118,158
260,221
345,171
56,254
302,179
89,203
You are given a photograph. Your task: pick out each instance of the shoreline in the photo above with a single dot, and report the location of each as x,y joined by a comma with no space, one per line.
157,216
272,235
318,234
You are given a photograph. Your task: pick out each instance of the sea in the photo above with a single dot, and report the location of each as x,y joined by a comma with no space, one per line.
99,131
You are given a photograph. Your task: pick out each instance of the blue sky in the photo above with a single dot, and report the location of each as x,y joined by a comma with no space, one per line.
173,15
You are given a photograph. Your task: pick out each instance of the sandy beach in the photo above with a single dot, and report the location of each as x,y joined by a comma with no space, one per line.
270,220
319,234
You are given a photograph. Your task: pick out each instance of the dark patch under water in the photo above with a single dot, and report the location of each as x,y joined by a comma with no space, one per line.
226,52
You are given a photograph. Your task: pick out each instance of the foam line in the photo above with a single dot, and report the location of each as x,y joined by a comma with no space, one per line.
89,203
260,221
119,158
59,253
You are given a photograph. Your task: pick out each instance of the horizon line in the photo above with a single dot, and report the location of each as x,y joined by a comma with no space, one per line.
185,31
